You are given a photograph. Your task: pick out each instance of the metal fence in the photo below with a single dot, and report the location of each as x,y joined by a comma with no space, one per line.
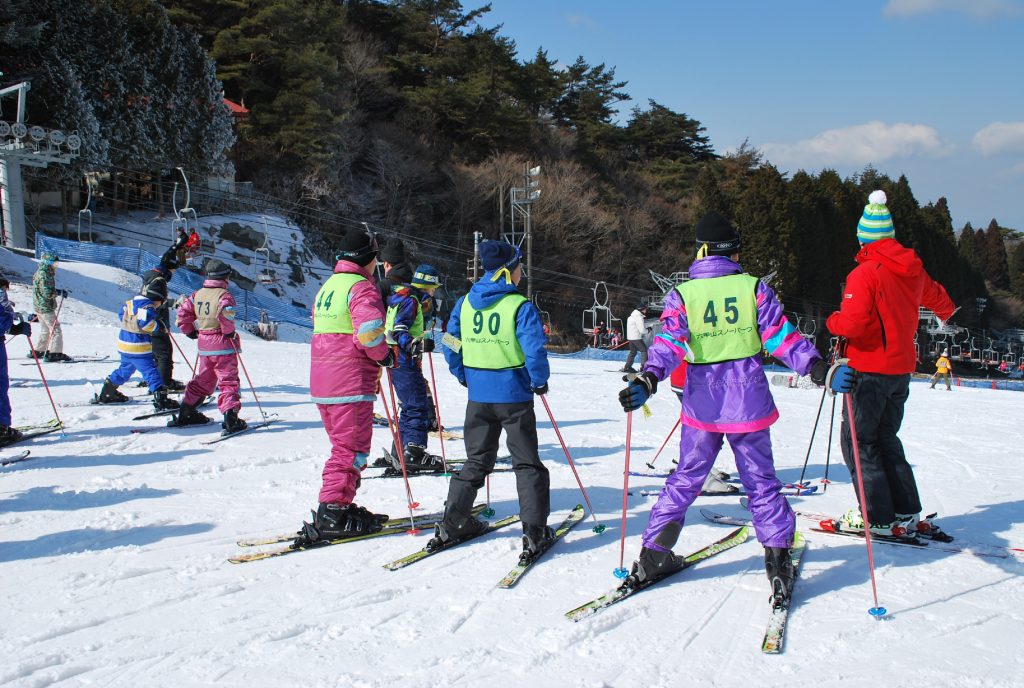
184,281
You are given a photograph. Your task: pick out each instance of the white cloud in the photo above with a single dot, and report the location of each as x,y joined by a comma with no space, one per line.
581,21
873,142
980,9
1000,137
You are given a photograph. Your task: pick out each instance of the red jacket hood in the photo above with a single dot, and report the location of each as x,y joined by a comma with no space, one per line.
893,255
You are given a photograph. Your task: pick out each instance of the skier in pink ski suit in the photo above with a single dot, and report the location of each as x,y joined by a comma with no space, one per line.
348,352
209,316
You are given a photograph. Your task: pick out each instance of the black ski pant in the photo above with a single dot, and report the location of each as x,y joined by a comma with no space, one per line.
637,345
163,353
889,485
484,423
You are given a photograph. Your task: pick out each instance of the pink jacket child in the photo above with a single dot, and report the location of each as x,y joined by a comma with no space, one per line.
209,316
348,352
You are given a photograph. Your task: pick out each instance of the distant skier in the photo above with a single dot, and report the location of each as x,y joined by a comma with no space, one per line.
409,327
193,245
8,434
635,336
139,320
44,300
346,357
878,317
719,321
209,316
502,360
943,368
163,351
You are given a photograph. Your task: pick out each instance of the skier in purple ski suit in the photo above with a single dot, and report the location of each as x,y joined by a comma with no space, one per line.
727,396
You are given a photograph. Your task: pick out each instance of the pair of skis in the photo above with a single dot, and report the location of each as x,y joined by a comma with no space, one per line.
79,359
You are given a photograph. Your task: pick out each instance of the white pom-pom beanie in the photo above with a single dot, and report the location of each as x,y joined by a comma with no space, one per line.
876,222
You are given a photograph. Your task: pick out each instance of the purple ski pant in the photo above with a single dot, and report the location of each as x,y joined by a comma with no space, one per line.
774,521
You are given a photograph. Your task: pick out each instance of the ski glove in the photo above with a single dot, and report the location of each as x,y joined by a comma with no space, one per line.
194,334
841,377
428,345
540,389
819,371
389,360
21,328
63,293
639,390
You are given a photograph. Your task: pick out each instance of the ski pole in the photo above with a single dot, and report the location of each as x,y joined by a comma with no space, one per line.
800,483
663,444
828,451
56,415
56,324
248,379
437,411
621,572
396,438
598,527
877,611
178,347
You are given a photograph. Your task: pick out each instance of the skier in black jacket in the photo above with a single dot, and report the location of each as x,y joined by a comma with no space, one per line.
163,350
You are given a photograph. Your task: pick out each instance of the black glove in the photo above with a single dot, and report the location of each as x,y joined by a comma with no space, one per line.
639,390
389,360
63,293
194,334
819,370
540,389
428,345
21,328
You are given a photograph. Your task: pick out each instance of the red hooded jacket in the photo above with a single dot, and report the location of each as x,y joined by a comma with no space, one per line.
879,313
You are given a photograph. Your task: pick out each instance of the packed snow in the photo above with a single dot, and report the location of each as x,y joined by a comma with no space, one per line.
114,548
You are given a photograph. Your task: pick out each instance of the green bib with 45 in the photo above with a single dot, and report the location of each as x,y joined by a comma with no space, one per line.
489,334
330,312
722,315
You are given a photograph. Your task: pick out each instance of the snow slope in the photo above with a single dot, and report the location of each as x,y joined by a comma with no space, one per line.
114,546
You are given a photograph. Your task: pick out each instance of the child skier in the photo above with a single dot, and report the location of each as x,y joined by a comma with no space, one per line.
501,359
140,318
209,316
8,434
718,322
347,354
409,326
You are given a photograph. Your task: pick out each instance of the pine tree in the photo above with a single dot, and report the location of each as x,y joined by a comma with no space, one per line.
996,269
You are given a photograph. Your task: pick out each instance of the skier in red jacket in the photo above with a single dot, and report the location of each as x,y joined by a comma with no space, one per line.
878,317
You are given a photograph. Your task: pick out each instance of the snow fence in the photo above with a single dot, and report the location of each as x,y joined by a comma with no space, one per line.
184,281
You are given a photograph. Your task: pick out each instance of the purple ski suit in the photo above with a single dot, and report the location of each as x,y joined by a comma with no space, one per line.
729,399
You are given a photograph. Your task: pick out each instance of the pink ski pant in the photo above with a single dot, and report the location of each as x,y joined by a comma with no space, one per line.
216,372
350,429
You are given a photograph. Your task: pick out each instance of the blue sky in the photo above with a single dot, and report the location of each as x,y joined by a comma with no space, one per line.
933,89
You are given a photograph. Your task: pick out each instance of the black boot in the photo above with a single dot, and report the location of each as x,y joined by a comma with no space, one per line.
386,461
654,564
56,357
779,565
536,541
9,435
417,460
188,415
110,395
162,403
175,386
455,528
336,521
38,354
232,423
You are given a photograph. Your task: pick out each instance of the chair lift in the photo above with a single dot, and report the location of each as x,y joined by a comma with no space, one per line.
989,354
975,350
181,215
545,317
939,345
956,349
598,313
1009,358
266,275
807,327
86,211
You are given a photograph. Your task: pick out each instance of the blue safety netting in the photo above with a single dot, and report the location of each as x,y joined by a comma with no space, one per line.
592,354
184,281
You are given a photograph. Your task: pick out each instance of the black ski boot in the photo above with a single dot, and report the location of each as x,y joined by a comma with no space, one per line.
536,541
162,403
110,394
188,415
56,357
232,423
9,435
386,461
454,529
38,354
175,386
778,563
417,460
654,564
336,521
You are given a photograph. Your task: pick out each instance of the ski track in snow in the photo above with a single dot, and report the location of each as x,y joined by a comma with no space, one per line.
114,548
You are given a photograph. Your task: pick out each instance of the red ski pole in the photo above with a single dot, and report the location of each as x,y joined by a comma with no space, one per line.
621,572
598,527
396,437
877,611
663,444
178,347
248,379
56,415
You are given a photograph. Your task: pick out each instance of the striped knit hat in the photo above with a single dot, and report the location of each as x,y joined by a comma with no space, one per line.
876,222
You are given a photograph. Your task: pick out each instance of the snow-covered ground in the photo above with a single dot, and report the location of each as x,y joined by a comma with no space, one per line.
114,546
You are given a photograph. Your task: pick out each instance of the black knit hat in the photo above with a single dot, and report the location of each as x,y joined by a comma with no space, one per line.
715,236
215,269
156,290
393,251
358,245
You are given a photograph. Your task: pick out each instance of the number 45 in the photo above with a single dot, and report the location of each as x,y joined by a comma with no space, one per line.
732,314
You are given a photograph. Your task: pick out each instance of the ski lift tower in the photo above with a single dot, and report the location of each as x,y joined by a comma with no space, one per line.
20,145
521,199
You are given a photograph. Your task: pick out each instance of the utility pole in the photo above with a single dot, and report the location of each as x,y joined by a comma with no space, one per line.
476,256
23,145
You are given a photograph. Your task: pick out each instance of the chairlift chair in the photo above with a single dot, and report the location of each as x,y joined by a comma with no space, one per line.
266,275
86,212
